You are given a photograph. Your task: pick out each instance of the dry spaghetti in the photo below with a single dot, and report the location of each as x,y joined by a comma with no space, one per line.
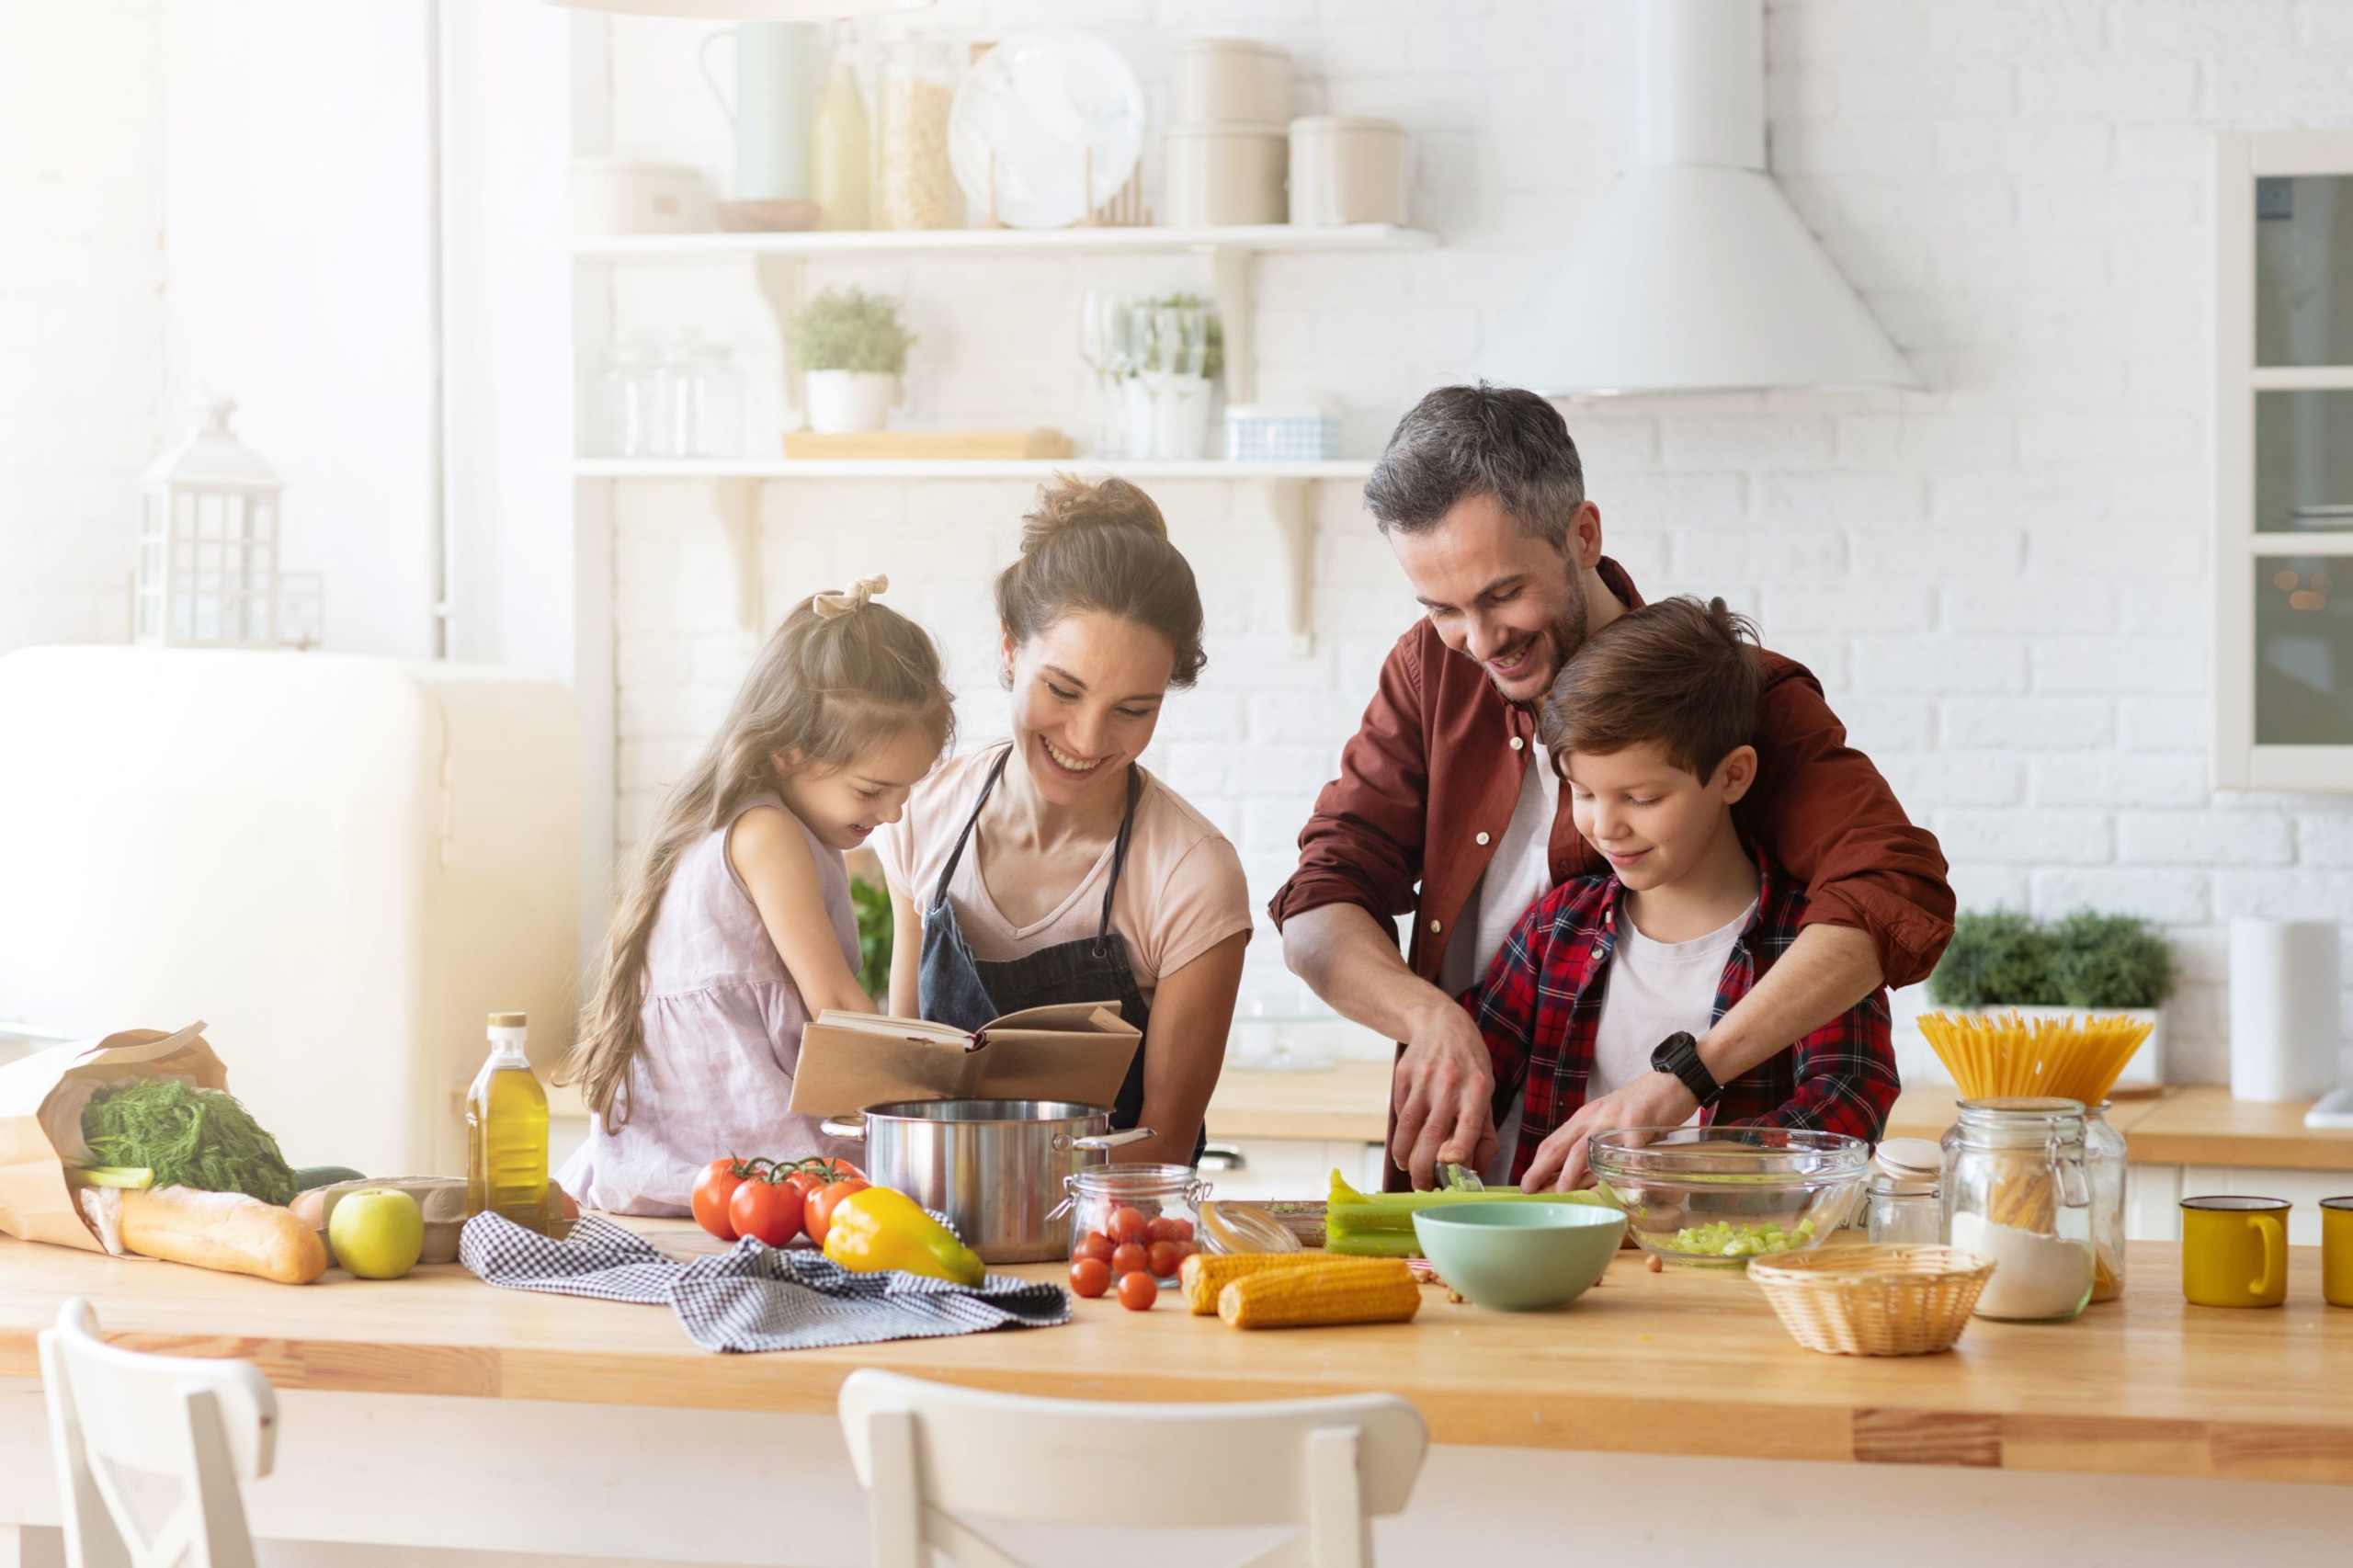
2002,1053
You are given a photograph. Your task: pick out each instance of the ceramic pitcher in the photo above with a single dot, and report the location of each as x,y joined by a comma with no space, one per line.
772,109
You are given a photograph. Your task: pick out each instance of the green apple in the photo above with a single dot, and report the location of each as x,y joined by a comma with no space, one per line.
376,1232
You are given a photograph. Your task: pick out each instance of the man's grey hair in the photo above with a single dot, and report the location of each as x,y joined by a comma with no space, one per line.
1463,441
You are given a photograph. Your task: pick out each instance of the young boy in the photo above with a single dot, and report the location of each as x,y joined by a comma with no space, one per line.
1609,977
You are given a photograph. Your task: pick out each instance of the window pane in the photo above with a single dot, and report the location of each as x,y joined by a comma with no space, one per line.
2303,460
2304,651
2304,271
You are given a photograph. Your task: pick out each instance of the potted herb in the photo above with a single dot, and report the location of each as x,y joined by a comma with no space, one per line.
2001,960
853,351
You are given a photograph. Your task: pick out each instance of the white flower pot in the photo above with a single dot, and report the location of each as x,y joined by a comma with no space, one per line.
844,403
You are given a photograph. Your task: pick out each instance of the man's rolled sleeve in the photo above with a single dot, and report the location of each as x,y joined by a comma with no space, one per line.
1363,846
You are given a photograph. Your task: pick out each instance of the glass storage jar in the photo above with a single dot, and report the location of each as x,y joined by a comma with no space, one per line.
917,189
1155,1208
2104,1161
1904,1208
2015,1191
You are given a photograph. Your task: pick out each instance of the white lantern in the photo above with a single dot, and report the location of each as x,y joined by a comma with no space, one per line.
207,542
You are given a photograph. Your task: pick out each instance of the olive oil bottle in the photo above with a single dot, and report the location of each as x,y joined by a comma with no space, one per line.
506,1132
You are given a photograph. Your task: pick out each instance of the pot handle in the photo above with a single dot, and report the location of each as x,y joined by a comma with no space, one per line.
854,1131
1113,1139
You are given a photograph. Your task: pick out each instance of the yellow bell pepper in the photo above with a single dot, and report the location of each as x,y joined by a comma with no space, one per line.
878,1229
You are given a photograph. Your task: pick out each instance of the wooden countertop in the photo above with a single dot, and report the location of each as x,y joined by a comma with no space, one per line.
2180,1125
1683,1362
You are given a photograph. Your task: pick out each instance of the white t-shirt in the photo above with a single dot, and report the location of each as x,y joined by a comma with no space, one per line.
1653,990
1521,873
1181,893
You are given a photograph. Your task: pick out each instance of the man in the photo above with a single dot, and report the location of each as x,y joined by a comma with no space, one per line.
1445,809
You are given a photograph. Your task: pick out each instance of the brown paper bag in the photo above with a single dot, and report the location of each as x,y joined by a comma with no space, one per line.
1073,1050
36,1204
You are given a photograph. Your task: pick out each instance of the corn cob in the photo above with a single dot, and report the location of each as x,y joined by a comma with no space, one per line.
1380,1291
1204,1275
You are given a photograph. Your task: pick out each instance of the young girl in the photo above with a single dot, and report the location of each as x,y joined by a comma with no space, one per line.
736,925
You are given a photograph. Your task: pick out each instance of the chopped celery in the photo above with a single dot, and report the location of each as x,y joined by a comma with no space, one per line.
1380,1225
1721,1238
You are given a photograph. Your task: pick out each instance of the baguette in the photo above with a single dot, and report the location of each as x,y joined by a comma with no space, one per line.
226,1230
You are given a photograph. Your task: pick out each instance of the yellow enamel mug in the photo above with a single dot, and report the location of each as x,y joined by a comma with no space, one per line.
2337,1251
2234,1250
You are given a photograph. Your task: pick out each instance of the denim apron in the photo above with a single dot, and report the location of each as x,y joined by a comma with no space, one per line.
966,992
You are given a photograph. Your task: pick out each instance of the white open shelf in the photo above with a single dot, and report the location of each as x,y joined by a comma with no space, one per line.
1255,238
960,468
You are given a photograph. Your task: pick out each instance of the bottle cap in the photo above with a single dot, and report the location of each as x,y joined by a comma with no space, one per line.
506,1020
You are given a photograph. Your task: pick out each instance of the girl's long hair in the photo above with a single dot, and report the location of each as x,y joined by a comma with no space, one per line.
829,684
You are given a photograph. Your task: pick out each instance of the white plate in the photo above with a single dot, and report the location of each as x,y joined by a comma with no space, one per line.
1041,102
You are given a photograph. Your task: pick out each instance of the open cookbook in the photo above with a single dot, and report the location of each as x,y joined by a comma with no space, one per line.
1073,1050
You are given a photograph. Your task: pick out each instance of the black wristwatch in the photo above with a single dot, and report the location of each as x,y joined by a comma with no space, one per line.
1679,1053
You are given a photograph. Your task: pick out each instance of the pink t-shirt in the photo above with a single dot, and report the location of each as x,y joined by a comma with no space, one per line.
1181,893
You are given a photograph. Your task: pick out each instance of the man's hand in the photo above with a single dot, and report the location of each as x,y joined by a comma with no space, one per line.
1655,1100
1443,1088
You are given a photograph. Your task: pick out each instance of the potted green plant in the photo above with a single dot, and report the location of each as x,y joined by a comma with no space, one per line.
853,350
2001,960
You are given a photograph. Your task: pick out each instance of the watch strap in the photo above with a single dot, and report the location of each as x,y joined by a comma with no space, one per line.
1679,1053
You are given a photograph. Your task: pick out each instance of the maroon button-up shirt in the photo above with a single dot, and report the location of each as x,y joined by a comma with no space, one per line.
1438,762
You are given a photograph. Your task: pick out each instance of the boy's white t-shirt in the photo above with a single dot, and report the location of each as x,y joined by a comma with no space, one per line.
1654,990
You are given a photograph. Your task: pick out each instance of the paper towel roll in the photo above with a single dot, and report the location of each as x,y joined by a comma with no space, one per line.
2283,1008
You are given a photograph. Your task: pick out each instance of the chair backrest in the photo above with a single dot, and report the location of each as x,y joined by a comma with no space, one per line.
204,1424
926,1451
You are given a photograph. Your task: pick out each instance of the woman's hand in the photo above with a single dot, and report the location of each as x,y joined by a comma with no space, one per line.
1192,1009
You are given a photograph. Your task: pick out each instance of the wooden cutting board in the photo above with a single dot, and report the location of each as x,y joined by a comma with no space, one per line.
920,445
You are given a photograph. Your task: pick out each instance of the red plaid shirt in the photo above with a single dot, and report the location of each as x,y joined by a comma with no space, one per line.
1540,1006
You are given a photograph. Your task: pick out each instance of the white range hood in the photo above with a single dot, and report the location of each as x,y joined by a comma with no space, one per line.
1695,274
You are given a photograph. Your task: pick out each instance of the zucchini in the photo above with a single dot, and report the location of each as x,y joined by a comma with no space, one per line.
309,1176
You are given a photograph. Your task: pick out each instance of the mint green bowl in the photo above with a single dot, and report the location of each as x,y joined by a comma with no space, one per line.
1519,1257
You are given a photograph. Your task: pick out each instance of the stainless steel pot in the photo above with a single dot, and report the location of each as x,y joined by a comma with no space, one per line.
994,1167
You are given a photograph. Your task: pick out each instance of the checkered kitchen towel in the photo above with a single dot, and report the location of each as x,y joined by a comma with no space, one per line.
752,1297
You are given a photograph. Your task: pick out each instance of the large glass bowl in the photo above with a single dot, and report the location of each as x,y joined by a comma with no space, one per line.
1723,1195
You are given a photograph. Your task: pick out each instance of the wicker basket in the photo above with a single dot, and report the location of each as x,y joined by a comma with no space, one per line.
1874,1300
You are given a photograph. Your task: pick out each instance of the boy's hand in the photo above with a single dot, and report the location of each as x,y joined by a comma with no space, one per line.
1655,1100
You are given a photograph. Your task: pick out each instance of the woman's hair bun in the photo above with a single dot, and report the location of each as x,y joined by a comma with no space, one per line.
1069,502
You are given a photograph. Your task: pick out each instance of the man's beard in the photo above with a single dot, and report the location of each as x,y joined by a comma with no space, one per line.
1567,633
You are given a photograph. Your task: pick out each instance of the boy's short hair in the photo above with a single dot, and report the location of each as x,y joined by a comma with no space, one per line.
1676,672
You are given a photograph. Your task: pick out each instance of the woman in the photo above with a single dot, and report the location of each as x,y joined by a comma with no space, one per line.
1052,867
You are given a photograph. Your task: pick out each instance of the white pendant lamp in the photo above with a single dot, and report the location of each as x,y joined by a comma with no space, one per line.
745,10
1695,275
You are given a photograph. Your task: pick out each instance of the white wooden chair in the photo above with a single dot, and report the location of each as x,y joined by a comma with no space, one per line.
926,1452
204,1424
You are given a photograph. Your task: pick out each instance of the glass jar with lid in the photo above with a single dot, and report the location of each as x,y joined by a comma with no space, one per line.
2015,1191
917,188
1153,1209
1904,1208
2104,1161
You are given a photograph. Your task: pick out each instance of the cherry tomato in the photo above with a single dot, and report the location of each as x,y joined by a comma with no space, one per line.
811,1177
1179,1230
1156,1230
1090,1277
769,1209
1137,1292
1130,1256
713,1189
817,1216
1164,1258
1128,1224
1096,1244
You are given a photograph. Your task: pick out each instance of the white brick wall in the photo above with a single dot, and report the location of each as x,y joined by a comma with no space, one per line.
81,312
2002,581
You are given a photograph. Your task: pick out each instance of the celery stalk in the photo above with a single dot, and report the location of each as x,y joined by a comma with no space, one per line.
1380,1225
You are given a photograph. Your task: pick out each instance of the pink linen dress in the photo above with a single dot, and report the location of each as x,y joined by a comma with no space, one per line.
722,1034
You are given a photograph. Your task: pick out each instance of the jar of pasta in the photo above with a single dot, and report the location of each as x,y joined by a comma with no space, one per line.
2017,1190
917,188
2104,1163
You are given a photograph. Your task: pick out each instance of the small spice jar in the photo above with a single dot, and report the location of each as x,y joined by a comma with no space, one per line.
2104,1161
2015,1191
1904,1208
1153,1209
